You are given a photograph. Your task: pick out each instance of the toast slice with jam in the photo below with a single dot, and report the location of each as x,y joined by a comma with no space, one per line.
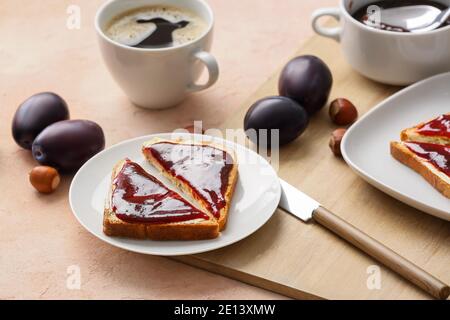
205,171
140,206
425,148
435,131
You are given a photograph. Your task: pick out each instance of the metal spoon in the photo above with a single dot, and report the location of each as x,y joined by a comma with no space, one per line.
420,18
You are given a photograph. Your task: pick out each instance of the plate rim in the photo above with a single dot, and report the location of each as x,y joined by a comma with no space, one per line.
424,207
125,246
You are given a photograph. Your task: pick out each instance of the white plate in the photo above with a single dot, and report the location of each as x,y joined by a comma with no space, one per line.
256,197
366,145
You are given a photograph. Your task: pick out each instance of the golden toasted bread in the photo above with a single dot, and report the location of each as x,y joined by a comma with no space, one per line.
414,134
194,229
427,170
182,173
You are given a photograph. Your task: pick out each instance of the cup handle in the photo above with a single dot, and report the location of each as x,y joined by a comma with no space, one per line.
333,33
213,69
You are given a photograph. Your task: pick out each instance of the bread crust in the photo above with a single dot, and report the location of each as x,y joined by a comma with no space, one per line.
195,230
412,134
400,152
159,232
223,217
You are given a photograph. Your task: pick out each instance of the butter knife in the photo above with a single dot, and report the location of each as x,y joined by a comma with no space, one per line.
305,208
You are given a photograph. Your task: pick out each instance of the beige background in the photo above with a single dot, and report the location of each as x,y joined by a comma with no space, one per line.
39,237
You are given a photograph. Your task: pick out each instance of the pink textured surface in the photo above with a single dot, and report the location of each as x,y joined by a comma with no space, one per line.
39,237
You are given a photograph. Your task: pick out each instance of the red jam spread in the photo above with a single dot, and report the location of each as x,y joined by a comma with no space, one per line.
204,168
437,127
139,197
436,154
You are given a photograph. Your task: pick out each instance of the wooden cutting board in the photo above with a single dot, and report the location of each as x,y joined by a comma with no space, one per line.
304,260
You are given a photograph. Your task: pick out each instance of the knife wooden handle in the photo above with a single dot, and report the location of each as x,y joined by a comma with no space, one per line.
381,253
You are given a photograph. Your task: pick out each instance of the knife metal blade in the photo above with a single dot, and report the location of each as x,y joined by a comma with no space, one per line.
305,208
296,202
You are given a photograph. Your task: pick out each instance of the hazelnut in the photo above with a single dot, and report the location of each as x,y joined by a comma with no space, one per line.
195,129
44,179
343,112
335,141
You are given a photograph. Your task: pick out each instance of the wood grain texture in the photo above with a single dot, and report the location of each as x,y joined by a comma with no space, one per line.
381,253
39,236
306,261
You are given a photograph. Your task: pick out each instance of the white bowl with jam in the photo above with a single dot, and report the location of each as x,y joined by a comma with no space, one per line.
387,54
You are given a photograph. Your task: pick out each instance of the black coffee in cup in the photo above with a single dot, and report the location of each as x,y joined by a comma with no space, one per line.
363,14
154,27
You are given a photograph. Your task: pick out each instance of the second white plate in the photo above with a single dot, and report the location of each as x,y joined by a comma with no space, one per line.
366,145
256,197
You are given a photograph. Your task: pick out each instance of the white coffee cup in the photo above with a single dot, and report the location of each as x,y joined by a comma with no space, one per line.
158,78
389,57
